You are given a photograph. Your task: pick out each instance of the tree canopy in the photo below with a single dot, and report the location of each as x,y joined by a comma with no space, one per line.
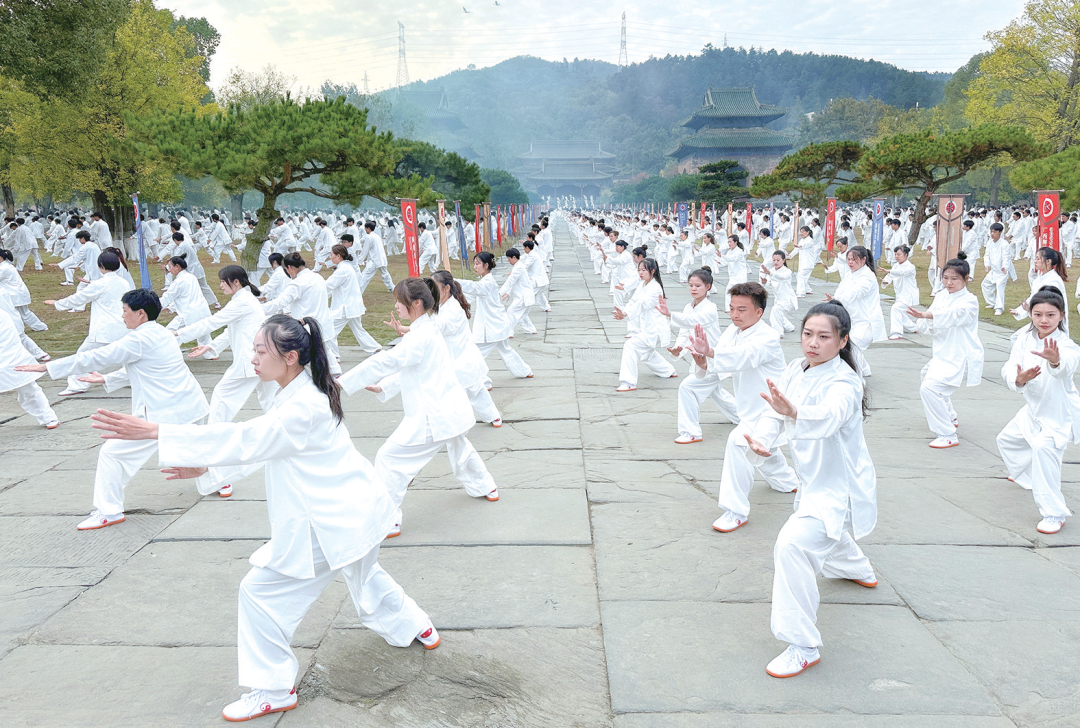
809,173
721,182
1060,171
505,187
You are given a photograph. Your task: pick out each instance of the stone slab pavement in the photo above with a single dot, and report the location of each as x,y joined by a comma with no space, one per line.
594,593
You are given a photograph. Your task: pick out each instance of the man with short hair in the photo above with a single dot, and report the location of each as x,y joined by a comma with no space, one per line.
373,254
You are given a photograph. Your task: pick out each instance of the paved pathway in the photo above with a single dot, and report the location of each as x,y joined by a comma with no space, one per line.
593,594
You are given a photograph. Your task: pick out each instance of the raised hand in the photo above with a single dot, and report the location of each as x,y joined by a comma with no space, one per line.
1023,376
699,342
619,314
183,473
661,306
198,351
1050,352
93,378
123,427
780,404
757,447
915,313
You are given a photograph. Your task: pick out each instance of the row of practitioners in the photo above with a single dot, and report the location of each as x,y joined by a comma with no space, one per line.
346,505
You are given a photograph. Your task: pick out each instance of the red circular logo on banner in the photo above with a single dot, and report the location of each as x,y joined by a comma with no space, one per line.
410,214
950,207
1048,207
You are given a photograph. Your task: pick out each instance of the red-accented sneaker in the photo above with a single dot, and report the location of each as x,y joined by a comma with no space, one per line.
793,661
493,495
98,519
258,703
429,638
225,491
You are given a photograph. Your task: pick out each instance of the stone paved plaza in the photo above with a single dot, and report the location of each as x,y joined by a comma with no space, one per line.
594,593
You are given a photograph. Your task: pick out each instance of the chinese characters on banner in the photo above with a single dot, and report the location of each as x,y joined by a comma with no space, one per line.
444,250
877,232
412,245
683,210
830,223
701,218
730,218
750,224
1049,209
489,239
949,227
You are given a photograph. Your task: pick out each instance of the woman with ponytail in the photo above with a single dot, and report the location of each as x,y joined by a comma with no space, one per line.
860,296
328,510
818,404
491,325
241,318
647,329
437,410
347,301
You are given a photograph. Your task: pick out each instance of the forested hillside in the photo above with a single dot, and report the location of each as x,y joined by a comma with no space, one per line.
635,111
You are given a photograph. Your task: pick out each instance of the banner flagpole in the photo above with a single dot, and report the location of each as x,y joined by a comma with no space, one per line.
144,270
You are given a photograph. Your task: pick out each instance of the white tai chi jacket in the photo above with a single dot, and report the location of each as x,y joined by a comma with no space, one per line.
490,322
1051,402
242,317
955,328
106,312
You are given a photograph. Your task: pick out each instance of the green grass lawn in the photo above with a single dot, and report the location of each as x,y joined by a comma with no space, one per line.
67,330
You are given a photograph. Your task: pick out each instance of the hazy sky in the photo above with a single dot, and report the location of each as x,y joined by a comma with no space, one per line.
316,40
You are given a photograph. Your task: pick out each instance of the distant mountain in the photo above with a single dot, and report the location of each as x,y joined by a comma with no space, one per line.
635,111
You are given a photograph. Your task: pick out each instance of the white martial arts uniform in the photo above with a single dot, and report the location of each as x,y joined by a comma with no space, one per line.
1033,443
957,352
710,385
998,269
902,276
537,269
437,412
1049,278
374,259
521,291
809,252
184,297
347,307
24,384
860,296
837,499
162,390
491,326
328,514
783,300
650,330
242,317
751,355
106,317
305,295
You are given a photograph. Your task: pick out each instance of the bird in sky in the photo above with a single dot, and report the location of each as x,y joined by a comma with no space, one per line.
465,9
497,4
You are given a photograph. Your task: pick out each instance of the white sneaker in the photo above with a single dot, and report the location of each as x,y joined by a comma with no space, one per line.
792,661
258,703
895,337
395,531
225,491
624,387
68,392
1052,524
998,311
942,442
729,522
493,495
52,425
98,519
685,439
429,638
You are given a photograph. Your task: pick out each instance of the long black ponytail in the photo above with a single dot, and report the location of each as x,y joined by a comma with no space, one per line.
306,338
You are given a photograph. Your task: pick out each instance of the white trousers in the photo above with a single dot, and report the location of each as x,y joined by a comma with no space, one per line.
73,382
35,403
227,249
779,321
363,338
803,550
513,361
1035,467
207,292
21,256
272,605
542,298
396,465
899,319
937,404
802,277
994,293
31,346
737,476
232,392
118,461
30,319
369,272
518,313
429,260
693,391
640,348
482,403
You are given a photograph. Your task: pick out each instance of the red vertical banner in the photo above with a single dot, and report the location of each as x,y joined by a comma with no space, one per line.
830,223
513,220
702,218
412,244
1049,209
750,223
498,225
478,225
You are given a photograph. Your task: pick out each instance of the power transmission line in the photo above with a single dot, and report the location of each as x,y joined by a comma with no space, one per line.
623,61
402,66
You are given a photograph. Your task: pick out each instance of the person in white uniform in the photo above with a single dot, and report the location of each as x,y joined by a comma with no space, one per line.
860,296
751,353
12,283
650,329
305,295
818,404
437,410
537,269
347,302
328,511
27,392
373,257
520,287
106,314
953,321
162,389
694,390
998,268
1041,366
903,278
184,297
776,277
491,326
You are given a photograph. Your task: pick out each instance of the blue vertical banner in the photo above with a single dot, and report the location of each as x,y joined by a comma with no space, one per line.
462,246
877,232
683,210
772,221
144,271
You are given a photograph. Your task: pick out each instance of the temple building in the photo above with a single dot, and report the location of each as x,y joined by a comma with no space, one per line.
566,169
731,125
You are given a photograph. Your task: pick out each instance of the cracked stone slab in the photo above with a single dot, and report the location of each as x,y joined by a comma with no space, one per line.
474,678
70,493
540,517
876,660
194,583
1031,667
805,720
965,582
54,541
146,686
221,519
24,608
495,586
